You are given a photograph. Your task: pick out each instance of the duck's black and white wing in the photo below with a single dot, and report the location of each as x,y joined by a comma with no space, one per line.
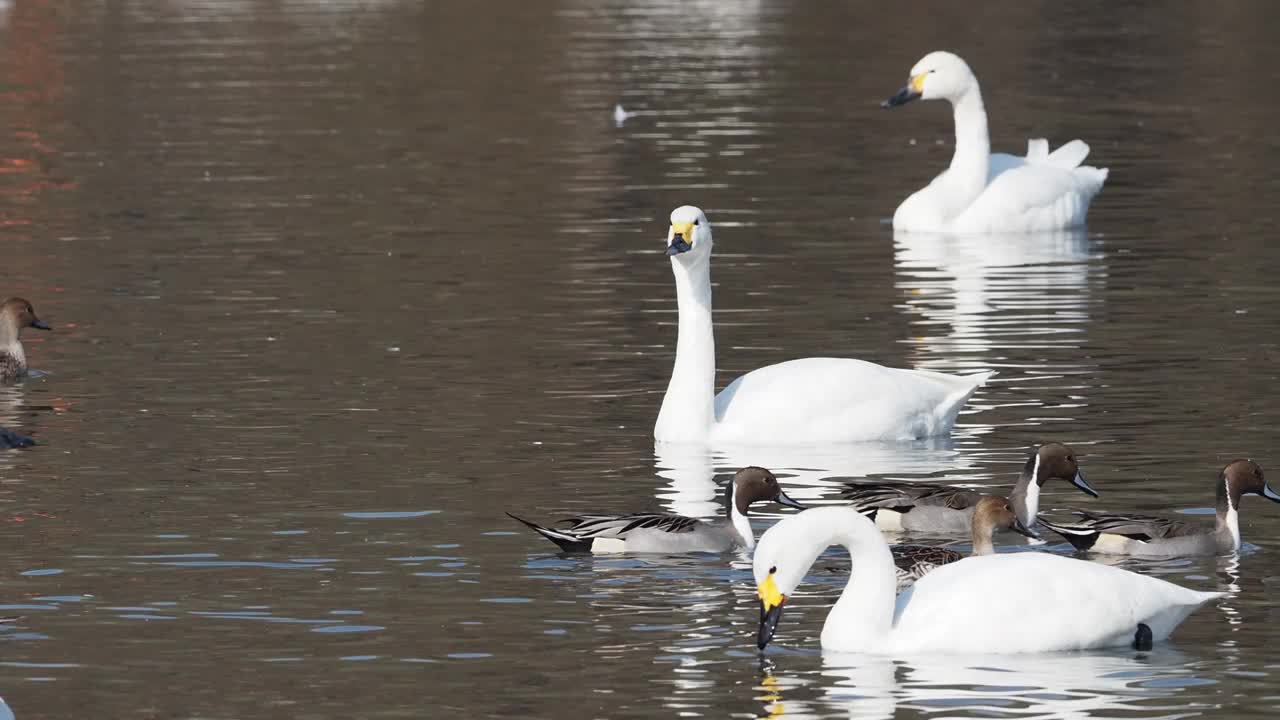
913,562
1084,532
901,497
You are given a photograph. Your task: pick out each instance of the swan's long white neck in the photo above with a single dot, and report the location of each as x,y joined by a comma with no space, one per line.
863,616
688,409
967,177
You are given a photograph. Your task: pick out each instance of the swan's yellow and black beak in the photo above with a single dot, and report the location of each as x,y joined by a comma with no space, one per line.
911,91
681,238
771,602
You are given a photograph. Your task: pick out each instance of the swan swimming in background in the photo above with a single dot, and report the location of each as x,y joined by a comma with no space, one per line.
1009,603
808,401
981,192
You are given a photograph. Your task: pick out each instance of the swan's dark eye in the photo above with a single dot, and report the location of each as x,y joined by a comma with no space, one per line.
773,569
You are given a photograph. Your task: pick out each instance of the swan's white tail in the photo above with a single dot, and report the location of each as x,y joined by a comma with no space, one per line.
1067,157
1070,155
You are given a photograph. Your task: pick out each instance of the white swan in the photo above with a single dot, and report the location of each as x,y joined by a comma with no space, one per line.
814,400
982,192
1015,602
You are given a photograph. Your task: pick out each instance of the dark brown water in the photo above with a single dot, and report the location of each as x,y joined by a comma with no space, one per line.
334,284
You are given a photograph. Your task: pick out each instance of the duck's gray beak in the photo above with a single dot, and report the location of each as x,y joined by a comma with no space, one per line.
1022,529
1269,494
782,499
902,97
40,325
1083,486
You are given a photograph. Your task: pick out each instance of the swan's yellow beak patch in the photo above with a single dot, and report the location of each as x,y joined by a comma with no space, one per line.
770,598
684,230
917,83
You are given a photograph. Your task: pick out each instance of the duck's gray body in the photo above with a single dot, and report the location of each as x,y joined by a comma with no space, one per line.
948,510
1144,536
640,532
1150,536
665,533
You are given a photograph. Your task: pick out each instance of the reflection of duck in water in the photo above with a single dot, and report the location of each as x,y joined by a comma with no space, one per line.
11,439
15,314
664,533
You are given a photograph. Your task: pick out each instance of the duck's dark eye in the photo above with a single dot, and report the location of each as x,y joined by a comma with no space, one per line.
773,569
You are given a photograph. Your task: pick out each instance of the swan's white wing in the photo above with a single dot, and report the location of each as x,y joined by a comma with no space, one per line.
1035,602
820,400
1032,196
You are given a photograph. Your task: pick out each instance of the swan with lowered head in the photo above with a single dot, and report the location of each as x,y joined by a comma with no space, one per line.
813,400
981,192
1007,603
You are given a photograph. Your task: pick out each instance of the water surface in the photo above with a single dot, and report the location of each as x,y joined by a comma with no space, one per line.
335,284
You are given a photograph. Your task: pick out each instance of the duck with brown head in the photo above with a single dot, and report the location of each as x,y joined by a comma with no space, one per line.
991,513
15,314
665,533
945,509
1161,537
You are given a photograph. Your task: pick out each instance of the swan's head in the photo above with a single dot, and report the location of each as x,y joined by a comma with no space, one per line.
940,75
785,553
690,233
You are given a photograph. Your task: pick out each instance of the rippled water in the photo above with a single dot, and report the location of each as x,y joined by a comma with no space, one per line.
334,284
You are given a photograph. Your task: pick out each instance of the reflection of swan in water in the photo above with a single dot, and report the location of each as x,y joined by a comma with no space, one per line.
807,473
993,291
1049,686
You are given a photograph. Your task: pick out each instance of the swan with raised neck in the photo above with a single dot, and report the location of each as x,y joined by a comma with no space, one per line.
1004,603
15,314
981,192
811,400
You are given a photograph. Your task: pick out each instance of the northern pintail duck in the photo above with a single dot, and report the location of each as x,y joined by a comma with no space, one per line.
663,533
1003,603
990,514
1152,536
944,509
15,314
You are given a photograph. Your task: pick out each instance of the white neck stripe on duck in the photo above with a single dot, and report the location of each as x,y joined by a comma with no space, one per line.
1228,510
738,518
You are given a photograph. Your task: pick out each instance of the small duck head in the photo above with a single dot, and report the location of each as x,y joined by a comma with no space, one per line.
689,237
994,513
940,75
1240,477
1055,461
16,314
756,484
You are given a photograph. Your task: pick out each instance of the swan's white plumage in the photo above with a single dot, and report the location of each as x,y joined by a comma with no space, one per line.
823,400
813,400
1009,603
1041,191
